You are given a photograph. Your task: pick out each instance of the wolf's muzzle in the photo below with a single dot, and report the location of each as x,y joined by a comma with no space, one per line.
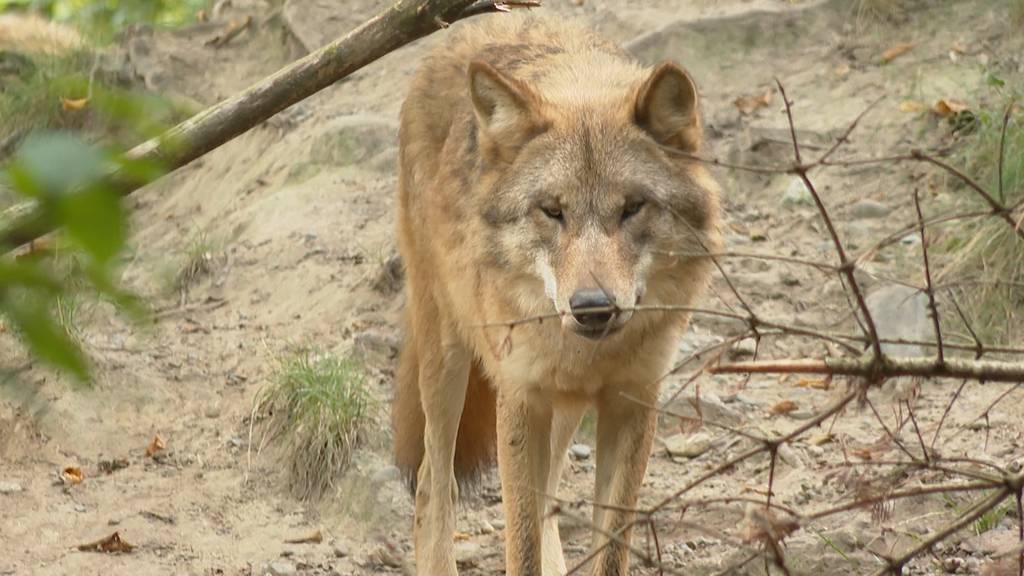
594,312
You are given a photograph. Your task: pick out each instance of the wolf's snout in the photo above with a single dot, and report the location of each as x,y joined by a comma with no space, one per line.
592,309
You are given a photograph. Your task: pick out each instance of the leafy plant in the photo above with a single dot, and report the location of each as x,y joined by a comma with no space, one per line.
104,18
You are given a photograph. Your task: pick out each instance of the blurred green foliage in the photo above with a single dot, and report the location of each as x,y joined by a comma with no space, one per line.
104,18
67,180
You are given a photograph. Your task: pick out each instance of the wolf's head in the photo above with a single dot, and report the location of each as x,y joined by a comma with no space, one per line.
582,194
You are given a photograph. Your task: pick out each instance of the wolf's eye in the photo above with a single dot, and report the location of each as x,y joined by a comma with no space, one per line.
632,208
553,212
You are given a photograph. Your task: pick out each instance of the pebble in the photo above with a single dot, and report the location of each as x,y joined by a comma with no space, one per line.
212,411
10,487
688,445
580,451
797,194
281,568
386,474
868,210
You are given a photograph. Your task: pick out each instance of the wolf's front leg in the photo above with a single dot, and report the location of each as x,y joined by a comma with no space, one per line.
444,375
625,430
524,458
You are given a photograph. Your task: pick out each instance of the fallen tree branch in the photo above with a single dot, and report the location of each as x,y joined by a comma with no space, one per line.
888,367
402,23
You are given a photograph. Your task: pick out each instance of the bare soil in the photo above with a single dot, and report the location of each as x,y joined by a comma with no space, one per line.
299,214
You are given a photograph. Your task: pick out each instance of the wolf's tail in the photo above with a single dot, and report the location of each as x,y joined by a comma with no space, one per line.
477,438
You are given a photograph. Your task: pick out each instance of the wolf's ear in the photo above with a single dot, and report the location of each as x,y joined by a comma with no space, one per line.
507,110
666,107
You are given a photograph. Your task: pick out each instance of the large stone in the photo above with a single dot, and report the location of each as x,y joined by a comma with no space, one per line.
869,210
688,445
281,568
901,313
708,407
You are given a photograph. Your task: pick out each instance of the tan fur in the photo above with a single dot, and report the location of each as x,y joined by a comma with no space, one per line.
32,33
533,167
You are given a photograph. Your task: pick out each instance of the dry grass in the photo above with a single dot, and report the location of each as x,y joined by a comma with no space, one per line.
989,255
318,410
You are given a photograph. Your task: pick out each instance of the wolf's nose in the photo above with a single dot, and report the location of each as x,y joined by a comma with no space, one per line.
592,308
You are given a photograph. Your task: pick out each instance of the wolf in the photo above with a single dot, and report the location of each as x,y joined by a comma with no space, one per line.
555,226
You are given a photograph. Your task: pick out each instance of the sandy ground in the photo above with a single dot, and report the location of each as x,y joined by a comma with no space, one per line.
299,214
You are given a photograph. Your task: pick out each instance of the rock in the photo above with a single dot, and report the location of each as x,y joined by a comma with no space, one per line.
869,210
352,140
579,451
797,194
281,568
467,554
340,551
790,456
910,240
485,527
743,348
377,343
901,312
688,445
991,543
212,411
386,474
708,406
10,488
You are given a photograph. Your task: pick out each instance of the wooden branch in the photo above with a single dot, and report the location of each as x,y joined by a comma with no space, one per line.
889,367
402,23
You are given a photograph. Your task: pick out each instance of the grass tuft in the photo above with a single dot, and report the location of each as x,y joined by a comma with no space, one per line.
318,409
988,255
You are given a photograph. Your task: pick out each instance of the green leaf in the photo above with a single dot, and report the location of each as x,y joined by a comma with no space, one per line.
93,217
57,163
27,275
45,339
993,80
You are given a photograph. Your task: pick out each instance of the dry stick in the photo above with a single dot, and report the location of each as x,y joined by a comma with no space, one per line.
1002,146
917,430
1020,529
731,463
897,495
895,565
402,23
945,413
916,155
928,278
845,265
982,370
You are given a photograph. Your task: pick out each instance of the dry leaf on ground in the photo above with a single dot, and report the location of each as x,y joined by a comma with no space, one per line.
71,105
748,104
784,407
766,527
72,475
314,538
816,383
896,51
946,107
155,445
112,544
912,106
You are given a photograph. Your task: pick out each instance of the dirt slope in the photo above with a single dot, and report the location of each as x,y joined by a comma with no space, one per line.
298,216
